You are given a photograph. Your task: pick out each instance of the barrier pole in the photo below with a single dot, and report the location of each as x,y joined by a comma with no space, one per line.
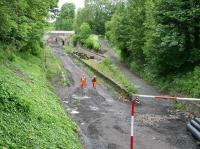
167,97
155,97
132,123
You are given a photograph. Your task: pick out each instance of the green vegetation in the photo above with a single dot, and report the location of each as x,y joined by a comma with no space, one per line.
159,39
51,64
86,38
49,27
179,106
108,69
84,32
66,17
54,69
95,13
30,112
187,84
69,49
22,24
92,42
82,35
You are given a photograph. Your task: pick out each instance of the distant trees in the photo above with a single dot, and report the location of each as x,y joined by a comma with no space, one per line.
96,13
66,17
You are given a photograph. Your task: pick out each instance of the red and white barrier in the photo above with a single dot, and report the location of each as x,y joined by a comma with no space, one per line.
150,96
166,97
132,123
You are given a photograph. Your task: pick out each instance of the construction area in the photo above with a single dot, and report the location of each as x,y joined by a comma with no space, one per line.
104,118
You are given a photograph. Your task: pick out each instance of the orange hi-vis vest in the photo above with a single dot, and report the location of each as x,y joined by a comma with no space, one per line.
94,82
83,82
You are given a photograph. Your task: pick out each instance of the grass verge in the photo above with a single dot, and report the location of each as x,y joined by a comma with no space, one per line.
69,49
31,114
54,69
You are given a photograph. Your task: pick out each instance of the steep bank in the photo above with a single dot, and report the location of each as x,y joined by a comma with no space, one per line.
31,114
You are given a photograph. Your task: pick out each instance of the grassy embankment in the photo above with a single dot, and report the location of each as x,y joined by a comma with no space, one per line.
57,75
31,114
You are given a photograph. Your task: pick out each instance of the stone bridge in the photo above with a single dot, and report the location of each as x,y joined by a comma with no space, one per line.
61,37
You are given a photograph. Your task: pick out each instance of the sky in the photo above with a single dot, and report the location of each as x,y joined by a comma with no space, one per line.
78,3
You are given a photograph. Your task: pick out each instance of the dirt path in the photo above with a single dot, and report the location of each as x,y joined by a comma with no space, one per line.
105,122
159,115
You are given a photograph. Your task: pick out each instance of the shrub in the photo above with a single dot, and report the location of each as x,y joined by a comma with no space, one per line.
189,84
107,62
33,47
92,42
9,101
75,39
7,52
36,49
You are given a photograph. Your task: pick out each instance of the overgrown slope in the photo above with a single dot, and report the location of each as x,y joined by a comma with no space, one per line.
31,115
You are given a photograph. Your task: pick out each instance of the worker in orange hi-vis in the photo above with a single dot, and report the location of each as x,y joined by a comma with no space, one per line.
83,81
94,81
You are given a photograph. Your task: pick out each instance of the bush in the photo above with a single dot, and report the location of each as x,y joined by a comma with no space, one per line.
92,42
85,38
107,62
188,84
7,52
9,101
36,49
75,40
84,33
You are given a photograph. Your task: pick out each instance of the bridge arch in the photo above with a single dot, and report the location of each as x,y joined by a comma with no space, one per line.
61,37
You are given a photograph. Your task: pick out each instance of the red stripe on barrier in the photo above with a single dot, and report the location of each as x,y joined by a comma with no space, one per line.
132,143
165,97
133,107
150,96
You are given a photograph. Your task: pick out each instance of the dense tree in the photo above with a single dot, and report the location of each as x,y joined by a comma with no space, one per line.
83,15
83,33
159,35
22,22
113,29
160,40
127,30
174,40
66,17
